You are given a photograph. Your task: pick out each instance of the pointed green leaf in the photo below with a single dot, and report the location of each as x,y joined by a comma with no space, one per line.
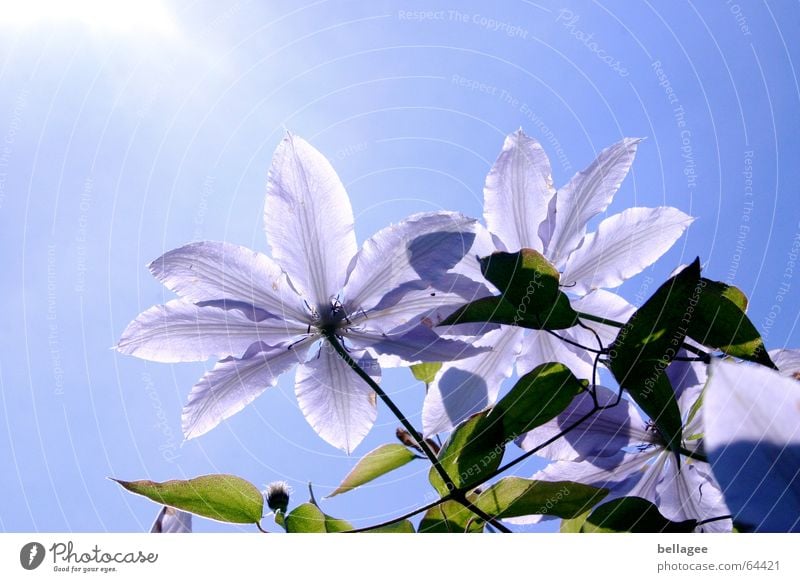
450,517
720,322
474,449
404,526
574,525
514,497
647,344
633,514
378,462
426,371
539,396
220,497
498,310
308,518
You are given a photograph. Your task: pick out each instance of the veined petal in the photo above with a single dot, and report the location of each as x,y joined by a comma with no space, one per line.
692,493
422,248
209,271
517,193
623,245
586,195
462,388
179,331
540,347
308,220
337,404
603,304
234,383
418,344
752,437
788,361
603,434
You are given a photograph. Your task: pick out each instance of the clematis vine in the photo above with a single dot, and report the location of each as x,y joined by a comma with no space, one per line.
522,209
619,450
262,316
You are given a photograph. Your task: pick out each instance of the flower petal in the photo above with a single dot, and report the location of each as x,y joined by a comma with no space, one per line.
462,388
752,436
209,270
692,493
586,195
517,193
337,404
624,245
171,520
234,383
603,434
418,344
540,347
308,220
422,249
788,361
179,331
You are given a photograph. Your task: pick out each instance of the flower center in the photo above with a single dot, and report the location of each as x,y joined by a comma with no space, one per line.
331,318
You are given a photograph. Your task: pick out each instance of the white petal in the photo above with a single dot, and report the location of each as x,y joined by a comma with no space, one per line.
586,195
464,387
207,271
517,193
309,221
692,493
337,404
419,344
234,383
422,248
603,434
752,436
540,347
788,361
171,520
624,245
602,304
180,331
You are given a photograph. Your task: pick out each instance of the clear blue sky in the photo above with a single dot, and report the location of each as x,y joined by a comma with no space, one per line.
123,135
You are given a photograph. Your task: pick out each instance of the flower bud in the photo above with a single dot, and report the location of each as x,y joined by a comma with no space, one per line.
277,495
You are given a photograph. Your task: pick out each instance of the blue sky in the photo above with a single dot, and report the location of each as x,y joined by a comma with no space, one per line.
127,132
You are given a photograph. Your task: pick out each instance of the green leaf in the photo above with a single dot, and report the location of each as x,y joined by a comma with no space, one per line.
574,525
220,497
539,396
647,344
404,526
720,322
514,496
308,518
531,296
633,514
426,371
474,449
450,517
378,462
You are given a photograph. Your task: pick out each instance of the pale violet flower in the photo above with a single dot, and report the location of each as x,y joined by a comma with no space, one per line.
752,419
619,450
522,209
261,316
171,520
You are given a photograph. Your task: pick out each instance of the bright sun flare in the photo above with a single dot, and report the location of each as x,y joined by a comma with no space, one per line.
101,15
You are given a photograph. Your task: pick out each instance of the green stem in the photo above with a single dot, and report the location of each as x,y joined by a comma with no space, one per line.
402,517
456,493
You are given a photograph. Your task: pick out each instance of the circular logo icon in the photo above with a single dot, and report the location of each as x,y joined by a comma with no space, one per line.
31,555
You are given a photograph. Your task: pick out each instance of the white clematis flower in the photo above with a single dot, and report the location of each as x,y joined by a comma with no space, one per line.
261,316
522,209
